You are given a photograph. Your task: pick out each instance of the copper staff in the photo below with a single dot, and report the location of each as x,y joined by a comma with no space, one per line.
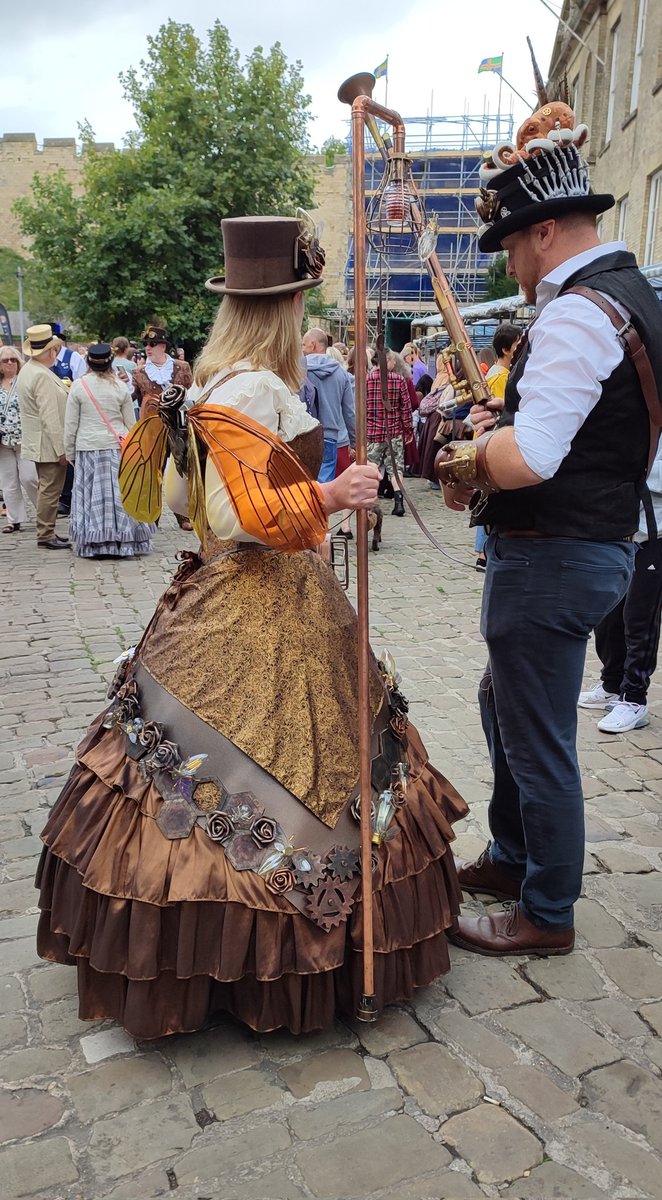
357,92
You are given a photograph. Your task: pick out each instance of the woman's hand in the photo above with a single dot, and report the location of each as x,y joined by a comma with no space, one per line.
355,488
484,417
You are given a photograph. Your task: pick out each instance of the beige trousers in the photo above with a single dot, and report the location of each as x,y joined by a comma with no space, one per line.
18,479
51,481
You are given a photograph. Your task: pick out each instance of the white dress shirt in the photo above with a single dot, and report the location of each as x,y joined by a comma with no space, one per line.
574,348
161,374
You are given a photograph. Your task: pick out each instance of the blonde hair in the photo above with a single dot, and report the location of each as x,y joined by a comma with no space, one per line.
337,356
13,354
399,365
265,330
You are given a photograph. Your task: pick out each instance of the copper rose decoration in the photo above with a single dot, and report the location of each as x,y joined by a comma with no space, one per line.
280,881
263,830
219,827
128,690
163,758
127,710
150,735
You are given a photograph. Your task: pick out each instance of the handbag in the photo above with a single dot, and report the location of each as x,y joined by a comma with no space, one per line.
428,404
121,441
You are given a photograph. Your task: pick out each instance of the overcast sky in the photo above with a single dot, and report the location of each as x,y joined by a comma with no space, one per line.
61,62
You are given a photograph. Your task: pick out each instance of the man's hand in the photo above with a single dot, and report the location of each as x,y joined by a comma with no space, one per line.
484,417
62,460
457,497
355,488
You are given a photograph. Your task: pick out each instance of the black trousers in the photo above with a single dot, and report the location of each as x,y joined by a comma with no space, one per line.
65,498
627,639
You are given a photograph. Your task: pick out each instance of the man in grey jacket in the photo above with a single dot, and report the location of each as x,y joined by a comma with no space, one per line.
335,398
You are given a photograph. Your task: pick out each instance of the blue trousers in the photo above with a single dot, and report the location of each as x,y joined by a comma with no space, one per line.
328,468
541,600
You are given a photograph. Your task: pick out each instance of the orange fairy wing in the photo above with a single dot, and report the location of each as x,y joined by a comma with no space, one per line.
141,469
273,496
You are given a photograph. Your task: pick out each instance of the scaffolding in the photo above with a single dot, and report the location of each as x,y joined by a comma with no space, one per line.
446,154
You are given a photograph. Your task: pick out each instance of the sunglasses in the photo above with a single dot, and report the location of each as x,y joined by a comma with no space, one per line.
10,359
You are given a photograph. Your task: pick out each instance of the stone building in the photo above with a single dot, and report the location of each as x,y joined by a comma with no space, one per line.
333,212
615,80
20,160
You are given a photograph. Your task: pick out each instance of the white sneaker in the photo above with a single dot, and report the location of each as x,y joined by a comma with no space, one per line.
624,716
597,697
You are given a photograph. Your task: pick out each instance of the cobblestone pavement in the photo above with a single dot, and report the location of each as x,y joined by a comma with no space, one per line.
527,1079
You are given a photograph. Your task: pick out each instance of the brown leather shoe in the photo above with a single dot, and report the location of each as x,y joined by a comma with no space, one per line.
509,932
482,875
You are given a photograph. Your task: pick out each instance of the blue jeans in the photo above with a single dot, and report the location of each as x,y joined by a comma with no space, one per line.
328,468
542,598
480,539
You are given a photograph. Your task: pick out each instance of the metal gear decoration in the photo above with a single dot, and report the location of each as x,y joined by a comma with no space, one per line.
342,862
308,869
330,903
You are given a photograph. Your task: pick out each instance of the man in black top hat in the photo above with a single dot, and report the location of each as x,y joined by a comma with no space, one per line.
562,475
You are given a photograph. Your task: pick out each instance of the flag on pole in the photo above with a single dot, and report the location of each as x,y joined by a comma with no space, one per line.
381,71
492,64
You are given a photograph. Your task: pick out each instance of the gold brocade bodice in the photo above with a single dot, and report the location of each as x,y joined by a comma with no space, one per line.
262,646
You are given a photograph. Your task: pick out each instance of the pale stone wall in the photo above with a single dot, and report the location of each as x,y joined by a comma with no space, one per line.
625,163
20,160
333,211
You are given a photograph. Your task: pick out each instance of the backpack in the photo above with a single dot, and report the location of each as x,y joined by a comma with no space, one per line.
309,396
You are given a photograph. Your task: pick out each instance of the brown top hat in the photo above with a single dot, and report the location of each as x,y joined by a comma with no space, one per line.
155,335
268,256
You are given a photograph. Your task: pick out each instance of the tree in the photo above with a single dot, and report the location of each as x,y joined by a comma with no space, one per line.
331,147
498,283
215,138
39,302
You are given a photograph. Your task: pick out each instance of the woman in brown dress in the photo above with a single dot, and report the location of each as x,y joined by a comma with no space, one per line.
203,855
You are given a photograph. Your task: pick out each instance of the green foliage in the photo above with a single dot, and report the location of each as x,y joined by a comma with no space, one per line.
215,138
39,302
330,148
498,283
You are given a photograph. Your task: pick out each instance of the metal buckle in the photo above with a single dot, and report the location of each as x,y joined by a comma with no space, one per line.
340,561
620,333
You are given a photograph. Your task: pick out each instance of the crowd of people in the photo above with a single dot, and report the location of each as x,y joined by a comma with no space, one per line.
64,416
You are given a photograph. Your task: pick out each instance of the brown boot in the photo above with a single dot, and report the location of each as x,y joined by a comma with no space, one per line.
509,932
482,875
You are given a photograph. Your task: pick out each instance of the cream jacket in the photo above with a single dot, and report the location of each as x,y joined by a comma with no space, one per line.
84,428
43,401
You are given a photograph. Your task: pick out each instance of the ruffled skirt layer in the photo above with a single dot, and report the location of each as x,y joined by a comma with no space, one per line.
166,933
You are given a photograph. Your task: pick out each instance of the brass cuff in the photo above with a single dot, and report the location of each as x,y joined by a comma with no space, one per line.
465,464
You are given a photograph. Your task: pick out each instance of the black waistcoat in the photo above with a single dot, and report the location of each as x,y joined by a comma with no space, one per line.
595,493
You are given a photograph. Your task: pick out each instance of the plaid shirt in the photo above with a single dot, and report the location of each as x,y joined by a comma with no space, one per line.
398,420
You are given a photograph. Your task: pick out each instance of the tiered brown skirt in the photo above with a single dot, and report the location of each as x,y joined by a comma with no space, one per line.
166,933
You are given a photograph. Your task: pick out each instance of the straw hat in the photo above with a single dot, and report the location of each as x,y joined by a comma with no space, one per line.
38,339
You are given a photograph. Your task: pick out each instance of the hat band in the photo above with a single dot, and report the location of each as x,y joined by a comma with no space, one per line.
40,345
